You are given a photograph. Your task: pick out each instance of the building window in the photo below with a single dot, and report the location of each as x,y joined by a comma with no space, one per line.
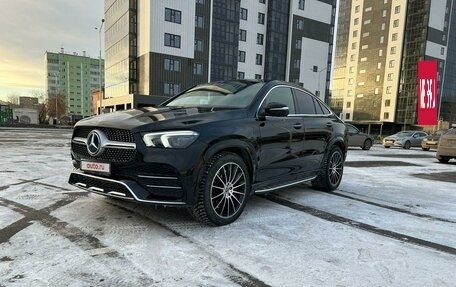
262,1
382,39
198,45
383,26
349,104
172,15
387,103
260,39
352,58
350,93
366,34
357,9
350,81
376,91
300,24
243,35
386,115
353,46
377,78
391,64
352,70
442,51
296,63
347,116
364,47
241,75
395,23
368,21
298,44
259,59
241,56
394,37
172,40
393,50
260,18
172,65
244,13
197,69
397,9
356,21
355,33
390,76
379,65
368,9
199,22
302,4
257,76
171,89
380,52
388,89
384,13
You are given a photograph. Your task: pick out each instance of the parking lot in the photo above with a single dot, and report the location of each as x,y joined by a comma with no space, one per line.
392,222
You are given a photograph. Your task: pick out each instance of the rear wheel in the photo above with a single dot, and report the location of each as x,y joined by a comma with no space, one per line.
367,144
223,190
444,159
407,145
331,171
426,148
386,146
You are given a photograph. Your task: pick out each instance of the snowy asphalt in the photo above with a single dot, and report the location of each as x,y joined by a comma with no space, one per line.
392,222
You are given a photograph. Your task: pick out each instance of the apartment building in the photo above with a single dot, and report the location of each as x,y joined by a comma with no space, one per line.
156,49
379,43
73,77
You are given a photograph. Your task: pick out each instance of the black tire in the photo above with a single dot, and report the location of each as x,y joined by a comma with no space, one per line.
386,146
367,144
407,145
444,159
426,148
331,171
224,184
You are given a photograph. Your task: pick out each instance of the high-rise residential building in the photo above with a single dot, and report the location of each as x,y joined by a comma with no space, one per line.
379,44
160,48
73,77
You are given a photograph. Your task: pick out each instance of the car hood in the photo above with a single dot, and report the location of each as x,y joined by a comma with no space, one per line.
159,118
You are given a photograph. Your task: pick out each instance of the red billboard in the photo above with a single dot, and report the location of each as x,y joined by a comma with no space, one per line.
427,93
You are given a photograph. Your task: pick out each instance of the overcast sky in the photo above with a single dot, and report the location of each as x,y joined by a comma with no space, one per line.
30,27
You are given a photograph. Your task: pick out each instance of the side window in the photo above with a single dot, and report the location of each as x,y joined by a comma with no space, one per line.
318,107
321,108
281,95
352,129
305,103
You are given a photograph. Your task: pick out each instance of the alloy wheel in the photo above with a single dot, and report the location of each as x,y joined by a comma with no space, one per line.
335,168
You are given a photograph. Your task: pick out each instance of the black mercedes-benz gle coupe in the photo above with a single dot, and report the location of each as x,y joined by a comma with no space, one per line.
211,147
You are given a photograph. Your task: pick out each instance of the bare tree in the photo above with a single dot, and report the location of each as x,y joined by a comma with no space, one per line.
56,105
13,99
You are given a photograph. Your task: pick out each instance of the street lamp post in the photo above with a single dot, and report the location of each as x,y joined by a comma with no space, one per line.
99,66
56,95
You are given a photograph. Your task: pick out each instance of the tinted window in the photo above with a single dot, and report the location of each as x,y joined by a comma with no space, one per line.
281,95
352,129
318,107
305,103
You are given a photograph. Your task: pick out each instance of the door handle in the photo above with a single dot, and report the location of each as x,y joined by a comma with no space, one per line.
329,124
297,126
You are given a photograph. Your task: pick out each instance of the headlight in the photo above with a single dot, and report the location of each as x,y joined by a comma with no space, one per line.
175,139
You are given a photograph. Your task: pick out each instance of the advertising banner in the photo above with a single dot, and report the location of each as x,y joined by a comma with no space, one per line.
427,93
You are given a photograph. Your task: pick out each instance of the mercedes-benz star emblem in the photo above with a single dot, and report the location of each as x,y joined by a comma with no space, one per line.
95,142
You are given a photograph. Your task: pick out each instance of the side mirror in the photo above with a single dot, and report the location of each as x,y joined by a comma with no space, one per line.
275,109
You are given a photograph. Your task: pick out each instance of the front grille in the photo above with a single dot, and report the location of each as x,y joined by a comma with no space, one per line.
117,135
110,154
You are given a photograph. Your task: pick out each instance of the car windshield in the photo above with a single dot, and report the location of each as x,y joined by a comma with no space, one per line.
233,94
404,134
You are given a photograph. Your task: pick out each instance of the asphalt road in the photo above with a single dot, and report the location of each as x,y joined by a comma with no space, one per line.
392,222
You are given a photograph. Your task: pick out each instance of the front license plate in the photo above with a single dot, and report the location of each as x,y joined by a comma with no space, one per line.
96,167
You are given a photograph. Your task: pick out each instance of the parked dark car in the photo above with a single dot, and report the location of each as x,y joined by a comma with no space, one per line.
358,138
432,141
211,147
447,146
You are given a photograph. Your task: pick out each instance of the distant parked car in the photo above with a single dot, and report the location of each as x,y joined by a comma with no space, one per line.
357,138
405,139
447,146
432,141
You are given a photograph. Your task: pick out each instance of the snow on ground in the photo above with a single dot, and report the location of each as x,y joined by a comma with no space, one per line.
384,226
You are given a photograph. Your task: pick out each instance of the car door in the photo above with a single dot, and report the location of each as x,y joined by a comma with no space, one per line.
317,130
354,137
418,138
279,137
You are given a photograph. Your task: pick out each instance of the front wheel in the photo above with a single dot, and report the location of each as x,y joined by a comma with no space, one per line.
223,190
425,148
367,144
444,159
407,145
331,171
